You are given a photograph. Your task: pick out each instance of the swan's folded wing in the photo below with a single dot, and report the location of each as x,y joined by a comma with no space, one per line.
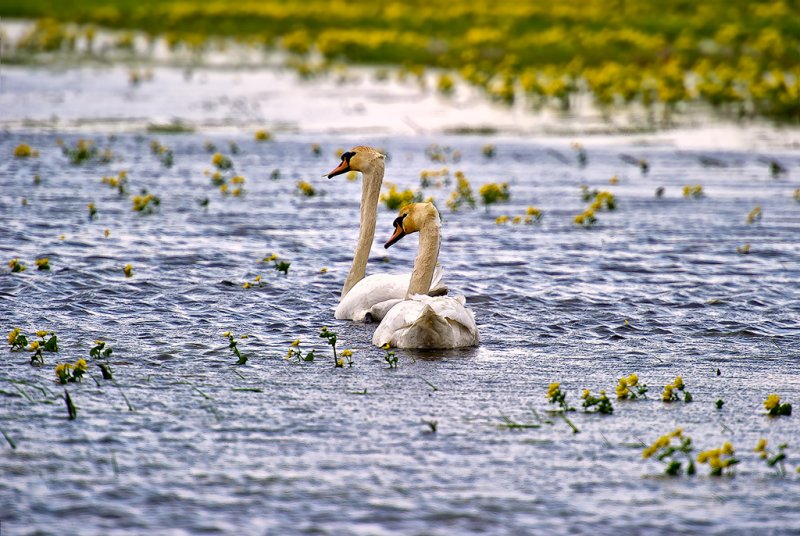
371,290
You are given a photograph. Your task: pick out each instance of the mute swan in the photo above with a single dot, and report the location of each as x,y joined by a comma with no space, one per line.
421,321
368,298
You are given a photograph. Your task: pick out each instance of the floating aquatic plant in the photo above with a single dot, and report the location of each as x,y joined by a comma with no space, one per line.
146,203
42,264
23,150
596,404
434,178
48,342
695,191
489,150
100,349
581,155
775,407
257,280
279,265
306,189
221,162
390,357
233,345
16,265
772,459
396,199
462,195
17,339
66,372
83,152
263,135
331,337
719,460
743,249
629,388
754,215
672,391
492,193
92,210
664,451
128,270
162,152
345,356
585,218
120,182
296,352
557,397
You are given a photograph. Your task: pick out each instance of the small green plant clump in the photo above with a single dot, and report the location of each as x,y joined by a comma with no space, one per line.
120,182
331,337
557,397
16,266
146,203
163,153
693,191
279,265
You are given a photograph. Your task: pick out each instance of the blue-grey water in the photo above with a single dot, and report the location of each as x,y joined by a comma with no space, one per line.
656,287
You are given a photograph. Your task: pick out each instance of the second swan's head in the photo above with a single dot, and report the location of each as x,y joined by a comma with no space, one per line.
411,219
359,158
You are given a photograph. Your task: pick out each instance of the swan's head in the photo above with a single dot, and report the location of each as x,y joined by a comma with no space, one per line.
359,158
411,219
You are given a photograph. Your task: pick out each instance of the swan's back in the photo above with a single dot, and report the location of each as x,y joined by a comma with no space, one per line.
372,297
426,322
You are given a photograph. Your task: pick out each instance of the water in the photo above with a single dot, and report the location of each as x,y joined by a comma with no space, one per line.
305,453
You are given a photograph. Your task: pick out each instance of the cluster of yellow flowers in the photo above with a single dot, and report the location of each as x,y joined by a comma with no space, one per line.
627,385
146,204
120,182
71,373
532,215
462,195
306,189
434,177
754,215
396,199
775,407
23,150
695,191
671,390
493,193
662,442
718,459
16,265
263,135
220,161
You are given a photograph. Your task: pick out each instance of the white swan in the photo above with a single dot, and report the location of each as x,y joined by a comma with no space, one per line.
369,298
421,321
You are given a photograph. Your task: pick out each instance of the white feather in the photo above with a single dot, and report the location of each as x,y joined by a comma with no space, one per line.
426,322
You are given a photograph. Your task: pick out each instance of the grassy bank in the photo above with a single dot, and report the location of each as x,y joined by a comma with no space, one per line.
742,57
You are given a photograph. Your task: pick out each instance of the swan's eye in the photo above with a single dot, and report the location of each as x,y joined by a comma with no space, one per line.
347,156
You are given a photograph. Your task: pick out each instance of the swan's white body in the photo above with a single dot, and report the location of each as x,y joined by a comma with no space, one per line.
369,298
424,322
419,320
372,297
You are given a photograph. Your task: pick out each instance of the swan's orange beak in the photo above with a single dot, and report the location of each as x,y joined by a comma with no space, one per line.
398,232
344,167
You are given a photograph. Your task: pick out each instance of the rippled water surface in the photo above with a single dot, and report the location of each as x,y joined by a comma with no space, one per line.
657,288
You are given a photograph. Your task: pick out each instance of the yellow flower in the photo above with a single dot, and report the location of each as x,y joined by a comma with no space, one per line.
262,135
246,285
34,346
552,389
666,396
41,333
386,346
500,220
727,448
128,270
347,353
677,432
217,159
80,365
339,362
772,401
761,446
272,257
257,279
516,219
585,394
633,380
226,334
323,270
622,388
12,335
289,354
296,343
678,383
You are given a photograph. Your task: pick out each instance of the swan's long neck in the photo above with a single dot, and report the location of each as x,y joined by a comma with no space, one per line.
427,255
370,192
